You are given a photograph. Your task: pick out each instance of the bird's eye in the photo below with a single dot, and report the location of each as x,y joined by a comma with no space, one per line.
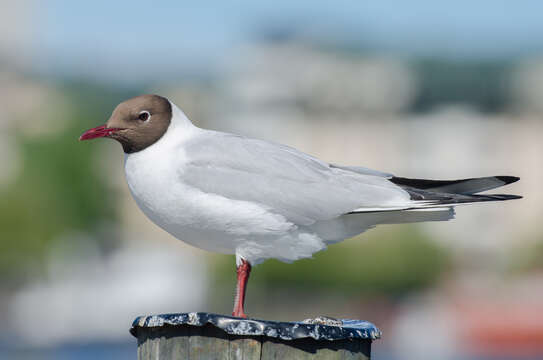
144,115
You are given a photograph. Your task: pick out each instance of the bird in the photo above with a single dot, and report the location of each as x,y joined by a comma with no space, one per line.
259,200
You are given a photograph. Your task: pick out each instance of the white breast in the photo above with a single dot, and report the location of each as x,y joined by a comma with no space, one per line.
208,221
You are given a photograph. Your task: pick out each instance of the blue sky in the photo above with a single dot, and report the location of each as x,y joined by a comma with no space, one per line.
128,37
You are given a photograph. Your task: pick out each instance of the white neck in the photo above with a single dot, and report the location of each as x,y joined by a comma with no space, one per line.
179,119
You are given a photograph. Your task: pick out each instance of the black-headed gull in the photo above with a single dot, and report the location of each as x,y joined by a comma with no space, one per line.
257,199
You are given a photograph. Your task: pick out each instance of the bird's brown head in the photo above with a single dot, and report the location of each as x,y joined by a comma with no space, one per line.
136,123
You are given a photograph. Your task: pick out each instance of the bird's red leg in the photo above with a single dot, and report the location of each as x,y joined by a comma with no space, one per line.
243,270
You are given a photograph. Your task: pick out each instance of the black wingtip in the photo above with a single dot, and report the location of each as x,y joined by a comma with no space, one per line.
503,196
508,179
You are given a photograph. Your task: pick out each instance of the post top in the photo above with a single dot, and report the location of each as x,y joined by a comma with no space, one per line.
316,329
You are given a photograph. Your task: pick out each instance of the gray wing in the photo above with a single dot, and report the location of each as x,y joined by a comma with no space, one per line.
363,170
284,180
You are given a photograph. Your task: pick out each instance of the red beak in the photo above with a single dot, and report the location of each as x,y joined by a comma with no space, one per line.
99,131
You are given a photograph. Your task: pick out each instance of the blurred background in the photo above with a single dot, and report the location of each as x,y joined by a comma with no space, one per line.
419,89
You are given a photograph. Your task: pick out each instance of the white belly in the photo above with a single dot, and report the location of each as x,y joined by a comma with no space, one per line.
210,221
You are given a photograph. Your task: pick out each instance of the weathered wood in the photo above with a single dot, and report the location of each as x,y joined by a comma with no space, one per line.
193,342
168,343
302,349
208,343
244,348
209,336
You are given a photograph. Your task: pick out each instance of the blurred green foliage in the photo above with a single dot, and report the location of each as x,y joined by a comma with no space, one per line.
58,190
483,85
527,258
394,261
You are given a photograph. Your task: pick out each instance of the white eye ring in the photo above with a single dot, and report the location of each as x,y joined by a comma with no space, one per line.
144,115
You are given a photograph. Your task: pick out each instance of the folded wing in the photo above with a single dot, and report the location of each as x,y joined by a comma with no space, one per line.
284,180
305,189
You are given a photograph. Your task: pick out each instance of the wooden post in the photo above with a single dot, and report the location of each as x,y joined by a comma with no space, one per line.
211,336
